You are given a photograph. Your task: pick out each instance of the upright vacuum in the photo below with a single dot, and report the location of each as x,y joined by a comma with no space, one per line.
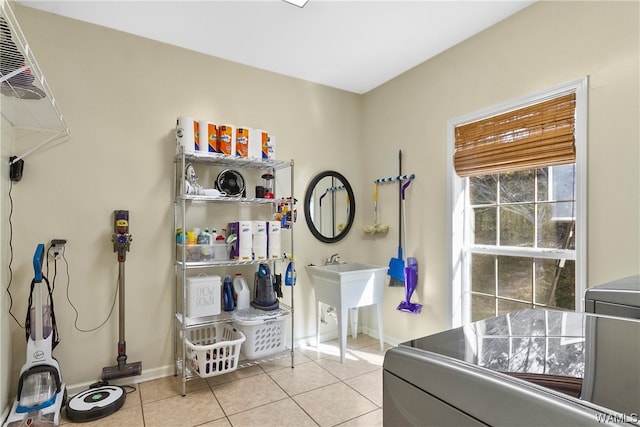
103,399
41,392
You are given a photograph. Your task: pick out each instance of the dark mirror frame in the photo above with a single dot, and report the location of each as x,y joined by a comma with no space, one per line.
307,212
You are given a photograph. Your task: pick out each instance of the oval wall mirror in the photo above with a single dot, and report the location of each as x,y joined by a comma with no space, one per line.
330,206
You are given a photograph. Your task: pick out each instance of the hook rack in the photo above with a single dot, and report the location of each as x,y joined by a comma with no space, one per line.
394,179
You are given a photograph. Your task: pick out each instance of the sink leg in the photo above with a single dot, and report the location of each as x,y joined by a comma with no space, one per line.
354,321
380,333
318,313
342,330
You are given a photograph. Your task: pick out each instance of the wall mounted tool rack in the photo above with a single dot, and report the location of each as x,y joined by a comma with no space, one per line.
27,101
394,179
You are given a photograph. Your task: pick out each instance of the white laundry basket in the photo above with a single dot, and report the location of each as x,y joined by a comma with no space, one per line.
265,332
213,349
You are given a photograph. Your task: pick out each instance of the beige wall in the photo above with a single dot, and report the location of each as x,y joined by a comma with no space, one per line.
545,45
120,96
5,330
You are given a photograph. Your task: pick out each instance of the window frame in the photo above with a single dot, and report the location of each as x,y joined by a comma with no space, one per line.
459,296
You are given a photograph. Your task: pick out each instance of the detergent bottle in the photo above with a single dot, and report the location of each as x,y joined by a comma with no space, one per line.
241,290
227,294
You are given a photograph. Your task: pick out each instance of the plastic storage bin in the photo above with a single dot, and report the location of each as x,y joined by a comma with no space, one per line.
199,253
213,349
265,331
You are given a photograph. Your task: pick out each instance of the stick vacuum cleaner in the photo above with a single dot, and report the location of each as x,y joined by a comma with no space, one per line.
105,399
121,241
41,392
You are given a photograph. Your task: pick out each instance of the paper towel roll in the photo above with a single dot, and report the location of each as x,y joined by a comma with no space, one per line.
227,140
244,254
258,139
273,235
242,141
260,246
204,135
271,148
213,138
186,131
274,250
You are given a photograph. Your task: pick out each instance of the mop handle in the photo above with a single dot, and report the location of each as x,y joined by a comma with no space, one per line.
404,212
404,187
375,203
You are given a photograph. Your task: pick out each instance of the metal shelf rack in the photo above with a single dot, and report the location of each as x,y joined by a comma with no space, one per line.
27,100
181,202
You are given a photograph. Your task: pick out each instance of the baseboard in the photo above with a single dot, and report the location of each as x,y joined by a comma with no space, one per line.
5,412
169,370
147,375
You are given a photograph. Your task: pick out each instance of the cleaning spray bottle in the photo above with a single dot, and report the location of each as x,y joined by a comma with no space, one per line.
290,275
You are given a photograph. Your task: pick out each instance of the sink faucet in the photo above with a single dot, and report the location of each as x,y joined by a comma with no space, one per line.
333,259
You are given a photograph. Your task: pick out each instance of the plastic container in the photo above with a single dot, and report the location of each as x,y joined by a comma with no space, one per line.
203,296
214,349
241,290
199,253
265,334
220,251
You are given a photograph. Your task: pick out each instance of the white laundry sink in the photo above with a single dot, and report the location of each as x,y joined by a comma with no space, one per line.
346,287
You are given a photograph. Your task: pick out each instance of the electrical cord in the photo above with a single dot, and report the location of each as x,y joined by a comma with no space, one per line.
75,322
11,257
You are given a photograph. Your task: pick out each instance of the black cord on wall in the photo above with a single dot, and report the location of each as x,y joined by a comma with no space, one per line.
75,322
11,256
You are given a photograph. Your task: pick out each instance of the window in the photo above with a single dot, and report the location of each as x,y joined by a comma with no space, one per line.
518,206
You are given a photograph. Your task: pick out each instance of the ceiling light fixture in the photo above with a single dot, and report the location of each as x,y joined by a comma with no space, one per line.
299,3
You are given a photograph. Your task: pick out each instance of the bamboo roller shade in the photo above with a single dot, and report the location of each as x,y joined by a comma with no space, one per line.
538,135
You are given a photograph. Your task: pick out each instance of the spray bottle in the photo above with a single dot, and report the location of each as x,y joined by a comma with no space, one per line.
290,275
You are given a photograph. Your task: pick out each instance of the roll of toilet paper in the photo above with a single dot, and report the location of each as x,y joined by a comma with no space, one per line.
186,131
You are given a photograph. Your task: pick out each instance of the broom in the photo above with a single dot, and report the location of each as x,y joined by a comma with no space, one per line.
396,265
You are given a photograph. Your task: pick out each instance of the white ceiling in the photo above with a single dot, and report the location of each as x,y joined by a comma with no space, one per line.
354,45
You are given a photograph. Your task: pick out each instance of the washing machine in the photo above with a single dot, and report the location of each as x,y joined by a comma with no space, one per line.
617,298
526,368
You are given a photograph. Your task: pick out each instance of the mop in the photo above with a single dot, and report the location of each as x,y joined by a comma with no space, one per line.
410,271
375,227
396,265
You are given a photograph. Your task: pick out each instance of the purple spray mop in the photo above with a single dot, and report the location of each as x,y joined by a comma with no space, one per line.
410,272
410,284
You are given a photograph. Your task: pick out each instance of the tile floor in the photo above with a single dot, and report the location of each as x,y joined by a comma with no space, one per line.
318,391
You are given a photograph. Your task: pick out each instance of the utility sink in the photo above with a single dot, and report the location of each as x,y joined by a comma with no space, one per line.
346,287
347,267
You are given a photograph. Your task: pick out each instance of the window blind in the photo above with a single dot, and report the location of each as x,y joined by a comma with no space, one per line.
538,135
